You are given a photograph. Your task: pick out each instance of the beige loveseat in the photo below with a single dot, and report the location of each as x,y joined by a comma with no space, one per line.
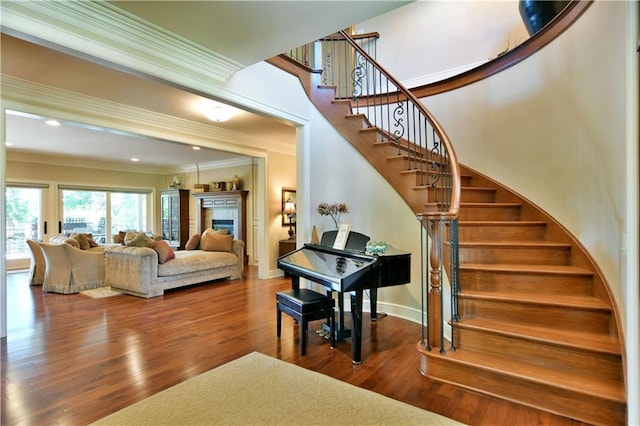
137,270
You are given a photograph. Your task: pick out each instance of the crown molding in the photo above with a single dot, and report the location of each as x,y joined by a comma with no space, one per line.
119,39
50,101
101,30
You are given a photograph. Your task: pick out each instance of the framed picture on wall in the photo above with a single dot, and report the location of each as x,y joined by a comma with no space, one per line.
288,196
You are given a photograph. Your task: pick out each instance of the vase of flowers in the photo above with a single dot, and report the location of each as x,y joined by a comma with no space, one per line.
333,210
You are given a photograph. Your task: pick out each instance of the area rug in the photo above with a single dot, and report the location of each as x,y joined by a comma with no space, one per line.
260,390
100,292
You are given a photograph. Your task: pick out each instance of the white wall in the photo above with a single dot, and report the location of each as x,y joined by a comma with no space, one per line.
427,41
338,173
553,129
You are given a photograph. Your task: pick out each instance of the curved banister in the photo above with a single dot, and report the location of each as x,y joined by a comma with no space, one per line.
547,34
454,170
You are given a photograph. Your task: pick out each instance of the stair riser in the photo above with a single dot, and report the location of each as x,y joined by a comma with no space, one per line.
524,283
501,233
489,213
561,317
605,366
414,179
514,255
471,195
554,399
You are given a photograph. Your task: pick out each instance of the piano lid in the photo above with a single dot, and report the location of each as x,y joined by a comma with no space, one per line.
333,267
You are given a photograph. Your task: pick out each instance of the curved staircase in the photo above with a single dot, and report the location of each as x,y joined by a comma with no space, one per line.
537,323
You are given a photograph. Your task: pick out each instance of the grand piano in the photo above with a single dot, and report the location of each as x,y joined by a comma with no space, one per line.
349,270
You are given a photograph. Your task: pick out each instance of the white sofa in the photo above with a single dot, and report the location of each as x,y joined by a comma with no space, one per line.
137,271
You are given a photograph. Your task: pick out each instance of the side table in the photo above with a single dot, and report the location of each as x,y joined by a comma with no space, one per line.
286,246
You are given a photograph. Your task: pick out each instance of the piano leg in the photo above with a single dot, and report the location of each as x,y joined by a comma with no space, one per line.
356,335
295,282
373,301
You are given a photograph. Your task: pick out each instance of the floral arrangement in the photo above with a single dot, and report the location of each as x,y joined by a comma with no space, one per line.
376,247
334,210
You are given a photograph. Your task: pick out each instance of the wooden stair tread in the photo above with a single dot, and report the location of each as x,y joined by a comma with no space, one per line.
498,244
593,342
490,205
477,188
562,379
532,269
502,223
575,302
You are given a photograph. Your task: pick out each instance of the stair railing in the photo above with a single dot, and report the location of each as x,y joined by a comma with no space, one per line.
348,64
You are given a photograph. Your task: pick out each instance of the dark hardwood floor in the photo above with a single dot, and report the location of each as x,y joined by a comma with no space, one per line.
71,359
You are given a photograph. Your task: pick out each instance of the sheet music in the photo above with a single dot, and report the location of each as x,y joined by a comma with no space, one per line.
341,238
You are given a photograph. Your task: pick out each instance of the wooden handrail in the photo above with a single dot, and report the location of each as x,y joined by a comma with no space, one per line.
519,53
454,206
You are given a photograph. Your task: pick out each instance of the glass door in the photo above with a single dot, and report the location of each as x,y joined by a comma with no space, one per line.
24,220
84,212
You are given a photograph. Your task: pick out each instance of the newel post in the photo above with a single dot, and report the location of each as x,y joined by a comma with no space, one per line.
435,283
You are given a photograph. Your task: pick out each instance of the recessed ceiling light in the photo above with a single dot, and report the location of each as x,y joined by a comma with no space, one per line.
135,159
53,123
196,148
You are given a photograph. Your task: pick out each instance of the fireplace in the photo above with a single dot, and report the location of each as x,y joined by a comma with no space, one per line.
227,224
223,210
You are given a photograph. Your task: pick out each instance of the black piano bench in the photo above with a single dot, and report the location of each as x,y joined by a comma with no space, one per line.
305,305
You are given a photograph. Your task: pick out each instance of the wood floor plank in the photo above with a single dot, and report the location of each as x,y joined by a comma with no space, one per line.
70,359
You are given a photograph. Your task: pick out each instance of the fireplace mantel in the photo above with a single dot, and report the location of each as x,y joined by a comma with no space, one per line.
223,206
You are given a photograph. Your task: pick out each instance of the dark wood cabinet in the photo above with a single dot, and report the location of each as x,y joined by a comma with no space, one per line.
287,246
174,207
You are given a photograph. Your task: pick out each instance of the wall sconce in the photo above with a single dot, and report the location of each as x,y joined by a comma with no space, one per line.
290,211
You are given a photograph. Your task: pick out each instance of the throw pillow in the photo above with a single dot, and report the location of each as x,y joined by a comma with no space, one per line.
165,252
119,237
193,243
130,235
207,232
140,240
83,241
93,243
218,242
156,237
72,242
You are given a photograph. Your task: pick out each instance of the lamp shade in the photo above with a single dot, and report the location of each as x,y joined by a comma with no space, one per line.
289,208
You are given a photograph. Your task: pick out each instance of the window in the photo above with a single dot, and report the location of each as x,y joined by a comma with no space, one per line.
23,219
103,213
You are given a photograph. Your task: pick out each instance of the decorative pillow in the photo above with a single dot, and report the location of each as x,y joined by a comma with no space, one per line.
92,242
130,235
140,240
165,252
119,238
193,243
209,231
218,242
156,237
72,242
83,241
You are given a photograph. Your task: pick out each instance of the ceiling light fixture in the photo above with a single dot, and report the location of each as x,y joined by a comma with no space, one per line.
218,113
53,123
135,159
8,144
196,148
